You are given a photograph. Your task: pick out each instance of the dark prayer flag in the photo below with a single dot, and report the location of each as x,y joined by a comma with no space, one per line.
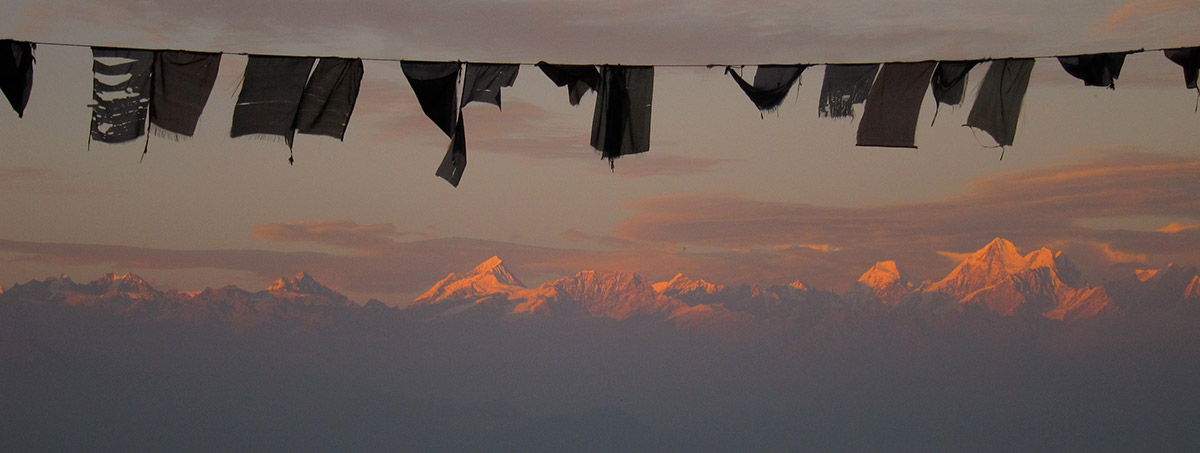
998,104
1095,70
844,86
16,73
482,82
121,93
455,162
329,97
771,84
1189,59
621,122
436,87
949,81
182,84
890,116
270,96
581,78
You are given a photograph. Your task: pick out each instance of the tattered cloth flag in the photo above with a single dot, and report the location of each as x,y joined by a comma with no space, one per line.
436,87
771,84
844,86
890,116
621,122
121,92
329,97
16,73
455,162
1095,70
182,84
1189,58
482,82
998,104
581,78
270,97
949,83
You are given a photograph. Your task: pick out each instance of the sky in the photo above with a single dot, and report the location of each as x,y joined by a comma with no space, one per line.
1112,177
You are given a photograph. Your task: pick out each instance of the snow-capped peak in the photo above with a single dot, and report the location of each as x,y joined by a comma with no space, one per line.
1193,289
301,283
882,274
988,266
488,278
1144,275
683,285
494,267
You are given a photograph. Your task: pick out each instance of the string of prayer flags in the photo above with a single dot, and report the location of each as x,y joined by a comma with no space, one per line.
271,91
183,82
121,89
578,79
329,97
771,84
621,122
844,86
998,104
1095,70
890,116
16,73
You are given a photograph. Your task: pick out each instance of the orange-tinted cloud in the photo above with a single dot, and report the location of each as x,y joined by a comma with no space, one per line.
1117,256
1032,208
340,233
1175,227
1135,14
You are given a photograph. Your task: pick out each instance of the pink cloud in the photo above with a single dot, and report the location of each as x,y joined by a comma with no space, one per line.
1134,15
1032,208
1175,227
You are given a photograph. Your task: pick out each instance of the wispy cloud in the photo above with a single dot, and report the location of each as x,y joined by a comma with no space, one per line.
1033,208
340,233
1134,15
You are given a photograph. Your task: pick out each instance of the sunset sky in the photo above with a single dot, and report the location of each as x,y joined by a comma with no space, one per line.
1110,176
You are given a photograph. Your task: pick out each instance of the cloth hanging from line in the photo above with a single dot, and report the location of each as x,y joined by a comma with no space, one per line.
16,73
844,86
890,117
949,81
1095,70
581,78
771,84
455,162
1189,59
270,97
621,122
482,82
998,104
121,89
436,87
182,84
329,97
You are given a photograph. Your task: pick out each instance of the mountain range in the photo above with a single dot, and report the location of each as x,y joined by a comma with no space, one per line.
996,278
1007,352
